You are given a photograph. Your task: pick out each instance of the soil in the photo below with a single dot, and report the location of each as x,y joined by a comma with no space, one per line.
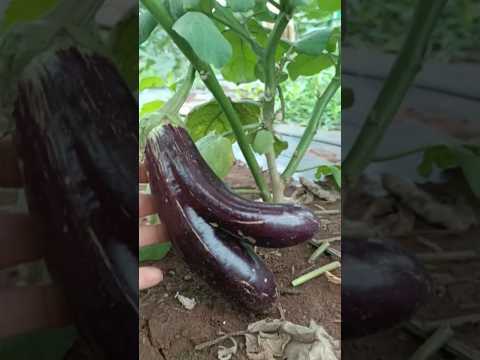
458,295
169,331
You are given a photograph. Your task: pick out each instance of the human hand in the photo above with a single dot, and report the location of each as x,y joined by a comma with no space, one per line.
28,308
149,276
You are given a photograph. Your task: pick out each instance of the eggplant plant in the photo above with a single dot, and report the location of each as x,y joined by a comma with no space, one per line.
243,40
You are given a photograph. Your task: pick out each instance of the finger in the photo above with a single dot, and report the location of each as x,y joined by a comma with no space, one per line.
149,276
142,173
146,204
20,239
9,174
26,309
152,234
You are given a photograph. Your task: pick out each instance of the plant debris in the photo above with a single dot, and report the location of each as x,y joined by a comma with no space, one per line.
187,303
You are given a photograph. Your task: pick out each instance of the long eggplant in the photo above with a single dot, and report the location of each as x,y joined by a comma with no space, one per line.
77,139
262,224
227,265
382,286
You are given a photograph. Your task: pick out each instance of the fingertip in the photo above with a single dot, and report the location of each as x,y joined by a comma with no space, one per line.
149,276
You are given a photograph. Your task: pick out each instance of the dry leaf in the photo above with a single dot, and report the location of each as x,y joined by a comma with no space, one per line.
187,303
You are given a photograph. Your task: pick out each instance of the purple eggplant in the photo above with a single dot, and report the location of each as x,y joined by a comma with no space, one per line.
382,286
261,224
77,136
228,265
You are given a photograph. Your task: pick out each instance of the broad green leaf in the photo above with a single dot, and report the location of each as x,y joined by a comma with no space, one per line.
241,5
263,142
279,145
440,156
191,5
154,252
147,23
304,65
204,38
330,5
151,107
126,34
470,164
175,8
314,42
241,67
45,344
25,11
330,170
210,118
218,153
334,40
151,82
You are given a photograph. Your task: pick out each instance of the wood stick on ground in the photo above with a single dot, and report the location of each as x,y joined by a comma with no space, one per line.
447,256
452,346
433,343
452,322
327,212
318,242
220,339
334,252
318,252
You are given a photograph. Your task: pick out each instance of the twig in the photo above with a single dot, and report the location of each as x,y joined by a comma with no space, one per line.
431,245
454,347
334,252
452,322
449,256
288,291
315,273
318,242
220,339
328,212
433,343
319,251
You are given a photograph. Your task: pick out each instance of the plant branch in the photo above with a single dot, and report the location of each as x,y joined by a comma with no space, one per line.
158,10
269,100
313,125
401,77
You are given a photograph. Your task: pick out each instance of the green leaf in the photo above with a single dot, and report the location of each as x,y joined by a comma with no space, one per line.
218,153
175,8
154,252
151,82
147,24
45,344
279,145
440,156
330,5
151,107
263,142
210,118
204,38
25,11
334,40
470,164
304,65
261,34
241,67
126,34
241,5
314,42
330,170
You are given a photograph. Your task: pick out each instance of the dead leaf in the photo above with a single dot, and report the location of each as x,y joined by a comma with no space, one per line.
226,353
187,303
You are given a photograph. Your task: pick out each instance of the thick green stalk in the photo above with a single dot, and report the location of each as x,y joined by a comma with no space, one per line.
158,10
269,101
401,77
312,126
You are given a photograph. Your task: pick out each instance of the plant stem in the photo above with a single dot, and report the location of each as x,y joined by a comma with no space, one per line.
401,77
312,126
315,273
433,343
269,101
158,10
319,251
401,154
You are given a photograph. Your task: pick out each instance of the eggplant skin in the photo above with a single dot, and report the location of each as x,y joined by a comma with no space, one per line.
76,131
262,224
227,265
382,286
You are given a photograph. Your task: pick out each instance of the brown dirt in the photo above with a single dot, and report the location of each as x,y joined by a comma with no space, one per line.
168,331
460,297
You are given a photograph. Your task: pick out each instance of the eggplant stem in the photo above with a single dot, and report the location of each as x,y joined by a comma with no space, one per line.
319,251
